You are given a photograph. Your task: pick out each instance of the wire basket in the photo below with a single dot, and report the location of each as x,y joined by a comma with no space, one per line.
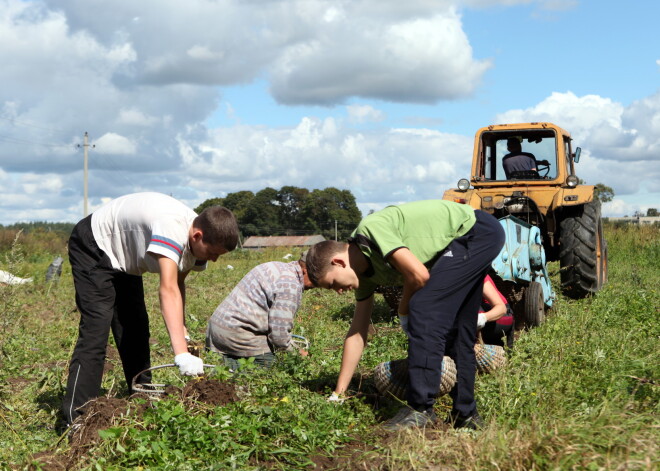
154,389
299,341
391,377
489,357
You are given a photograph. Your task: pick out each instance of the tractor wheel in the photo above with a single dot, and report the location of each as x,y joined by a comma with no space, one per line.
583,252
534,305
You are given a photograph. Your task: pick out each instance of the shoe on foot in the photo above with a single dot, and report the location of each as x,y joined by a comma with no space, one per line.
410,418
470,422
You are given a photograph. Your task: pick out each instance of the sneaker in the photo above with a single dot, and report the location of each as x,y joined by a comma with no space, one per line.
470,422
410,418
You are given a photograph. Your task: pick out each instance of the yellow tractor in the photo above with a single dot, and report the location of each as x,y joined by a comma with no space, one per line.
526,173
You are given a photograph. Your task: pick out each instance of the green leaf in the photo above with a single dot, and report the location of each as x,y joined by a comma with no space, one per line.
110,433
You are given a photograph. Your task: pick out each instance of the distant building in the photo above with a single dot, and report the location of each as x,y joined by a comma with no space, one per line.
636,220
260,242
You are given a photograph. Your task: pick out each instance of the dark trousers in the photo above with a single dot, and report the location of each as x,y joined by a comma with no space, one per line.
107,299
443,316
496,332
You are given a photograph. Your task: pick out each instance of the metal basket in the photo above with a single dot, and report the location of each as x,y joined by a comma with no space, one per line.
300,342
391,377
489,357
153,389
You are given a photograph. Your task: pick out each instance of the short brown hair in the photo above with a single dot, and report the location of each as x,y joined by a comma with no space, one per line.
319,256
219,227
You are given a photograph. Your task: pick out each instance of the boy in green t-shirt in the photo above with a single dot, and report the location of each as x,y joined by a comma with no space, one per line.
440,252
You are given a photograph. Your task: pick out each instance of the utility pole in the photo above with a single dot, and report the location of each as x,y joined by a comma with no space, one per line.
335,229
85,147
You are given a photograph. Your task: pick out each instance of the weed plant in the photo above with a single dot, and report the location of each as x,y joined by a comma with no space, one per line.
578,392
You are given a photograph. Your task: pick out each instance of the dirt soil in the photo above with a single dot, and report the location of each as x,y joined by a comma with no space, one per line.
101,413
208,391
98,415
358,455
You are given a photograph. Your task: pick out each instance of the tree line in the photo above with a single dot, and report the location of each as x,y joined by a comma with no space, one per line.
292,211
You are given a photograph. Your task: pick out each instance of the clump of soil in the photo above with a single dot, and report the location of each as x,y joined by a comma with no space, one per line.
196,348
98,414
206,390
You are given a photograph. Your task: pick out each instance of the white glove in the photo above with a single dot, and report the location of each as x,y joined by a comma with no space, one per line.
334,397
403,320
189,364
481,321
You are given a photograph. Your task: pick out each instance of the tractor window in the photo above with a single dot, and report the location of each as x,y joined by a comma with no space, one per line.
497,146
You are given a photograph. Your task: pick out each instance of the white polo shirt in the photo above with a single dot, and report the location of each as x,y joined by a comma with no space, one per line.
133,228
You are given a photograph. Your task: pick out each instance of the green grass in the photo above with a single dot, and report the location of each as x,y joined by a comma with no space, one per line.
579,392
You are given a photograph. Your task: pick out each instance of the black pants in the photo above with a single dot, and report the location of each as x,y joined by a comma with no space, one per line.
443,316
495,332
107,299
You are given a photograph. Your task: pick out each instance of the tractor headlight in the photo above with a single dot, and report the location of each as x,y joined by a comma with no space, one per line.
463,184
572,181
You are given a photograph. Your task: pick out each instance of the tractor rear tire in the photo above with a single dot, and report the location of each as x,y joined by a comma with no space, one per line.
534,305
583,252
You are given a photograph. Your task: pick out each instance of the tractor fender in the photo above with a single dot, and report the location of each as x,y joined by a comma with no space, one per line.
580,195
463,197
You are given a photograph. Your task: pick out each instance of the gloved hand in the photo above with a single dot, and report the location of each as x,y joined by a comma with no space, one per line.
189,365
481,321
334,397
403,320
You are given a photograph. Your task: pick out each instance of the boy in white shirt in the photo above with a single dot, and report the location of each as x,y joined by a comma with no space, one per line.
109,250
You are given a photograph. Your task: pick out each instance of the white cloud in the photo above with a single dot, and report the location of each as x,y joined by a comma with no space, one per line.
135,117
379,167
618,207
558,5
111,143
364,113
36,185
203,53
420,59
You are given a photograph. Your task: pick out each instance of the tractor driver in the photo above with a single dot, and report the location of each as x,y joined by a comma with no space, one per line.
517,160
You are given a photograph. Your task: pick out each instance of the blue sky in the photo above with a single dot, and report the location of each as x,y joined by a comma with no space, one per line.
203,98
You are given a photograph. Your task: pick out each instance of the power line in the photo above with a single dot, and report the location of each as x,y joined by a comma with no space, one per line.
15,140
28,124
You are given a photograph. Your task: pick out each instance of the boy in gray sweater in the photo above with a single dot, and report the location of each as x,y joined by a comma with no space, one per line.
256,319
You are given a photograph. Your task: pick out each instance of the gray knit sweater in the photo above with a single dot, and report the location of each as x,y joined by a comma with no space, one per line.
257,316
